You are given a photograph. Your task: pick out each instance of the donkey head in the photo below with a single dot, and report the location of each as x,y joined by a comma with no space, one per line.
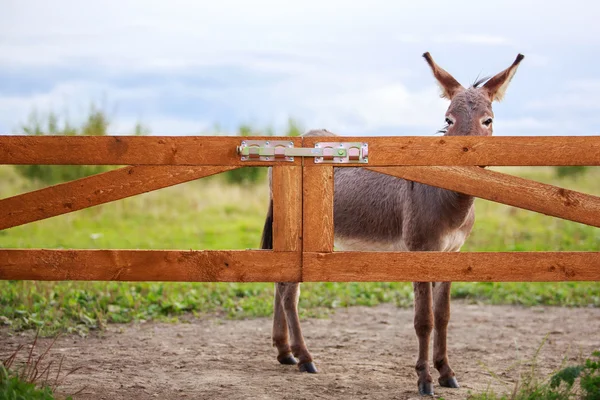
470,111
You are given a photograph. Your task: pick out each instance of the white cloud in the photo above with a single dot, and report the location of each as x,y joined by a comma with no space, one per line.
66,97
537,60
547,126
479,39
154,32
72,100
520,126
373,108
572,101
351,66
161,125
577,95
408,38
588,85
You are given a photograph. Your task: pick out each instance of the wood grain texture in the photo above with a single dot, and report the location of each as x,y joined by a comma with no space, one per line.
267,266
318,209
506,189
475,150
450,266
221,150
287,208
130,150
96,189
150,265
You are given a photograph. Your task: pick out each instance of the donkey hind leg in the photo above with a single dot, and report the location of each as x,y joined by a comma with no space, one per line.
280,329
441,313
286,322
290,292
423,328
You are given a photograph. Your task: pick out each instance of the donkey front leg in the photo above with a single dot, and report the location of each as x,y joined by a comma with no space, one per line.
423,328
441,313
289,294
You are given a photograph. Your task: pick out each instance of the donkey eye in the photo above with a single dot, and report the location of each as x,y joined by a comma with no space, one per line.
449,121
487,122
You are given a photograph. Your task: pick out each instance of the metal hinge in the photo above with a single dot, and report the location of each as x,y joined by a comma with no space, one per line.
323,152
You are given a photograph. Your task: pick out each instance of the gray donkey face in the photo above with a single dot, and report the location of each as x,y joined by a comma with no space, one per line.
470,111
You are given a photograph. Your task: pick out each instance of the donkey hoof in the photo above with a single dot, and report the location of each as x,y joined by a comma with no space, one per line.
287,359
426,389
308,367
450,382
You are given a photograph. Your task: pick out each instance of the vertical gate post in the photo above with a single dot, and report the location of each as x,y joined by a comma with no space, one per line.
287,208
318,208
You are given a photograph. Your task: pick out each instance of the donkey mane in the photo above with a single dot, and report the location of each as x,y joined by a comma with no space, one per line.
480,81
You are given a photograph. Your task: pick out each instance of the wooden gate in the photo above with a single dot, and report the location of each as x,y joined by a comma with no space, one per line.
303,208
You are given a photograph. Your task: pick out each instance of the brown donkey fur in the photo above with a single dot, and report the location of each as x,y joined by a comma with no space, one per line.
378,212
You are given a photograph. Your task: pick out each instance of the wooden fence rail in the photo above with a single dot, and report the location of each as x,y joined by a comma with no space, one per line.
221,150
97,189
150,265
303,227
506,189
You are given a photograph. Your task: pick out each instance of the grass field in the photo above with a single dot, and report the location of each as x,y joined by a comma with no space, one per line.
209,214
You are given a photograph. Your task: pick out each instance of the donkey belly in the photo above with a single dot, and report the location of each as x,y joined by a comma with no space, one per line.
360,244
450,242
369,215
368,211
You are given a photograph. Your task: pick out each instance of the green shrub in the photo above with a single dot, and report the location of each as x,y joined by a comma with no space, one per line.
589,374
13,388
246,175
250,175
574,171
294,128
96,124
32,379
560,386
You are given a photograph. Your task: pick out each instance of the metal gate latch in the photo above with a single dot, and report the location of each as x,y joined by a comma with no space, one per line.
323,152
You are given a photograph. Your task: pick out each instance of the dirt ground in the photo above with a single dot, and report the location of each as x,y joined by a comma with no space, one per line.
361,353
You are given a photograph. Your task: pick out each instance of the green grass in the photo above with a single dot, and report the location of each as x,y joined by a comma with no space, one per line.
29,377
208,214
576,381
14,388
505,228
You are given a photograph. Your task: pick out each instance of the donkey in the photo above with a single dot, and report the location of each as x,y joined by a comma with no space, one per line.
377,212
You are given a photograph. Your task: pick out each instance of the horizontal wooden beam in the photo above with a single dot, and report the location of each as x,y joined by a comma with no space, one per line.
150,265
506,189
455,267
475,150
268,266
221,150
96,189
130,150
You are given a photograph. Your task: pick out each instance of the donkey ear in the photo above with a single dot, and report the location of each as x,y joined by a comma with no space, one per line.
447,83
496,86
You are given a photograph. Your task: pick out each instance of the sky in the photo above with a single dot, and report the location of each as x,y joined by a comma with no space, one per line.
354,68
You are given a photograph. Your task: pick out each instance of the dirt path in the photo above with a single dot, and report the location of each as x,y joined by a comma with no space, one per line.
361,353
